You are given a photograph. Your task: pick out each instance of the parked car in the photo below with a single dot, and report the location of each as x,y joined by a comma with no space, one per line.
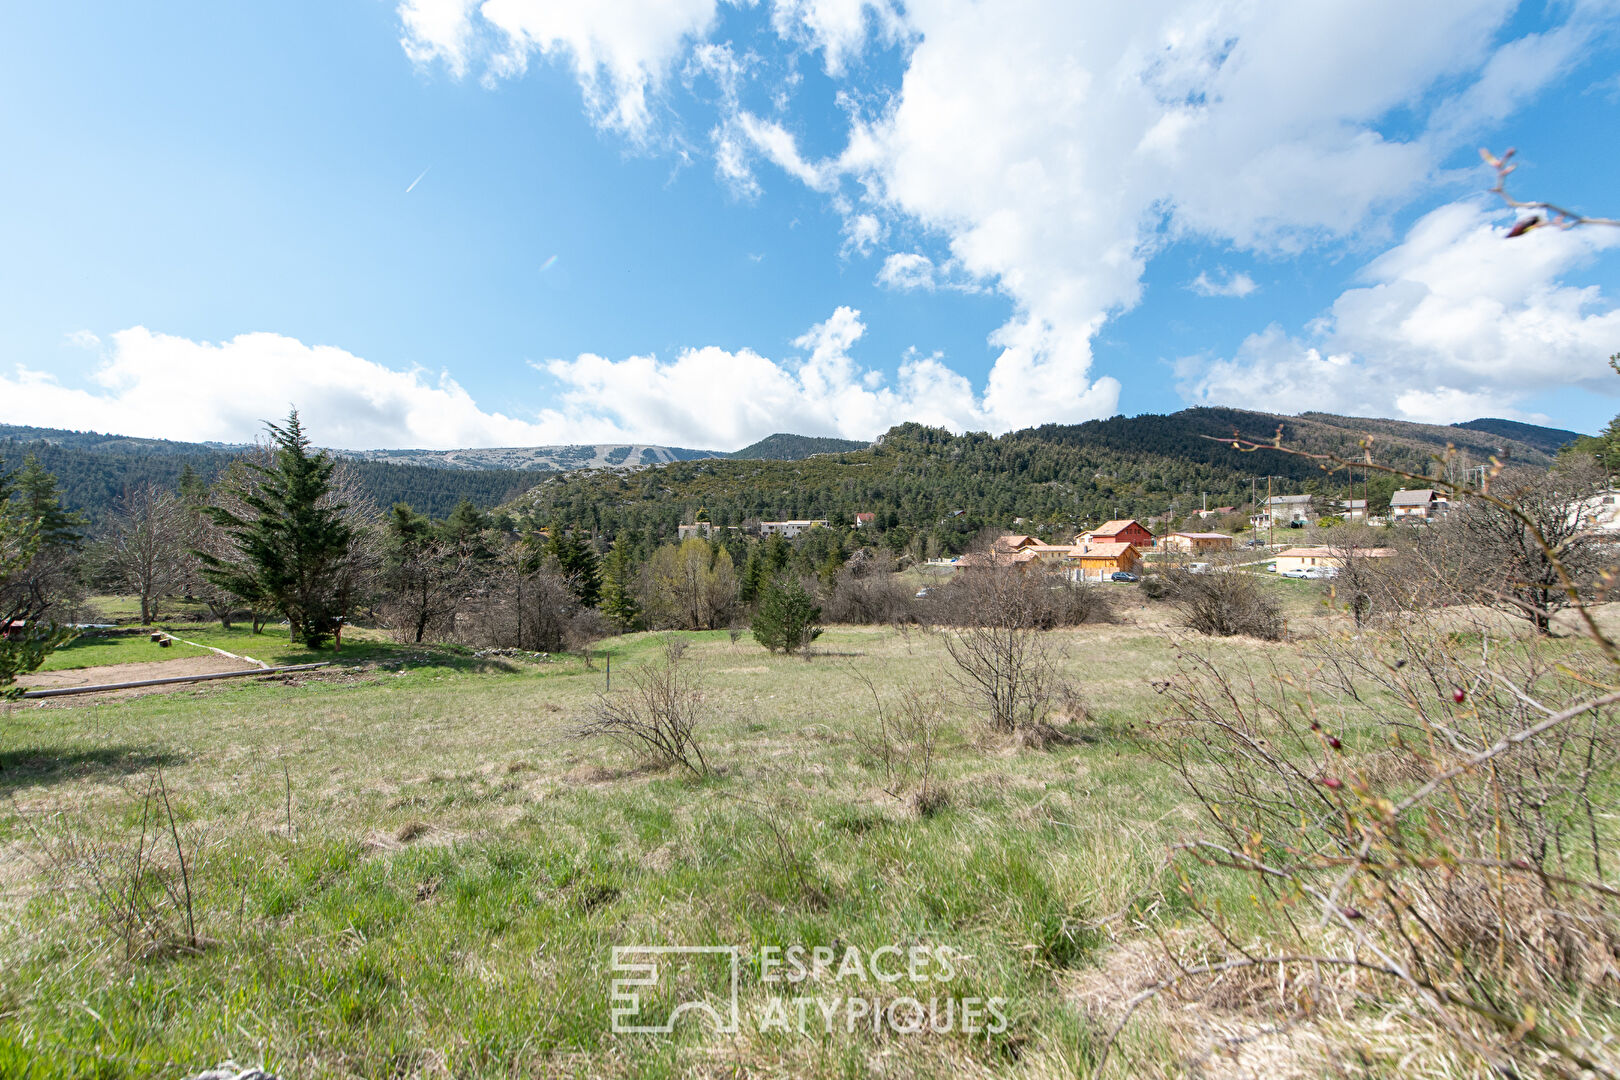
1124,575
1319,572
1198,568
1254,543
1297,572
1271,568
921,593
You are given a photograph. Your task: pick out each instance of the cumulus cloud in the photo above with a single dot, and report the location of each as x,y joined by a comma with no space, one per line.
1224,283
160,385
621,50
1452,323
906,270
1055,148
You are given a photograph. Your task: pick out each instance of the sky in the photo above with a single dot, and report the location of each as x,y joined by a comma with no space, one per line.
452,223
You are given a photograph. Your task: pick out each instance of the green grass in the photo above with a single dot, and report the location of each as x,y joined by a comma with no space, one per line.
95,650
443,894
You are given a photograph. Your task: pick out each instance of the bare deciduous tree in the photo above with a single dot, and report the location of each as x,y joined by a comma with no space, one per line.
1002,661
146,543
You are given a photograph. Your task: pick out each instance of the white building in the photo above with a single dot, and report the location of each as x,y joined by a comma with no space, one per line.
790,529
1419,504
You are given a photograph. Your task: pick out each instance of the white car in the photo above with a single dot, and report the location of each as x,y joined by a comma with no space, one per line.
1198,568
1318,573
1297,572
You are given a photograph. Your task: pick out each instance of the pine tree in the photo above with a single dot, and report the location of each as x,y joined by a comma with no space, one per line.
754,577
619,601
786,619
35,490
579,565
291,541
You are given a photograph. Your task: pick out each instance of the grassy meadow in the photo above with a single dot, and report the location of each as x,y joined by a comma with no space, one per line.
411,865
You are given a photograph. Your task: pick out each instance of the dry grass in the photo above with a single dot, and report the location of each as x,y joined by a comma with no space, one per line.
420,871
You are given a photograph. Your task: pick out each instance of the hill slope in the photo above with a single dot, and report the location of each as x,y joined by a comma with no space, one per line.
94,471
544,458
783,447
914,475
931,479
1548,439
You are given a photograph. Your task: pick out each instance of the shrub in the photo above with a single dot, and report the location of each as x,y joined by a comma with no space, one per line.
658,717
786,619
1224,603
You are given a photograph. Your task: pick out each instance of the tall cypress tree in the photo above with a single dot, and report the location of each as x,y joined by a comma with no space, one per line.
291,545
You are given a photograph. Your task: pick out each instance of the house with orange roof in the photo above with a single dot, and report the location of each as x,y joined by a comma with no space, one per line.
1121,531
1096,561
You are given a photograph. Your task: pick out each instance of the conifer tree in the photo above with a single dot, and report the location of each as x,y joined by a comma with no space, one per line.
786,619
619,601
291,541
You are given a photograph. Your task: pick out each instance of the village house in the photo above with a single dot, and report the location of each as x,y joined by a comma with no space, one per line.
1304,558
1422,504
1121,531
865,519
1283,510
1216,511
1353,509
1195,543
790,529
1096,561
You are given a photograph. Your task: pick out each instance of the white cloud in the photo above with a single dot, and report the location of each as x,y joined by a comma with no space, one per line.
839,28
1225,283
906,271
160,385
621,50
1056,147
84,339
1453,323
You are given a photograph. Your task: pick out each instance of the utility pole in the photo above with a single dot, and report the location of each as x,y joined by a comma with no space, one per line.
1271,518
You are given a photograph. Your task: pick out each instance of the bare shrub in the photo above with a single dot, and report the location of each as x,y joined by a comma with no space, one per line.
867,591
658,717
1527,551
1002,660
527,604
1039,595
1426,807
1446,824
1223,602
143,895
905,742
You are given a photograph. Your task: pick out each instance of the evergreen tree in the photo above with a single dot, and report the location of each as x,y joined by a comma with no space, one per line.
619,601
291,541
754,577
786,619
579,565
35,490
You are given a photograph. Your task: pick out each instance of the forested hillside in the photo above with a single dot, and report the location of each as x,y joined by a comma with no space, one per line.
94,471
782,447
927,479
914,476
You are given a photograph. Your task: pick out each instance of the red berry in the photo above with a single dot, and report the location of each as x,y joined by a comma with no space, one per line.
1334,742
1458,694
1333,783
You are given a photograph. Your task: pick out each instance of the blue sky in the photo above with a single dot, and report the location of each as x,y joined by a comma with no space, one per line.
698,222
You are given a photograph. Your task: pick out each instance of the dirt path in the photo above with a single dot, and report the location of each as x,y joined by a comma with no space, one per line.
117,673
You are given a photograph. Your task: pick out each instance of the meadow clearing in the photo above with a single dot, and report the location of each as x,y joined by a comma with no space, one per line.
411,865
